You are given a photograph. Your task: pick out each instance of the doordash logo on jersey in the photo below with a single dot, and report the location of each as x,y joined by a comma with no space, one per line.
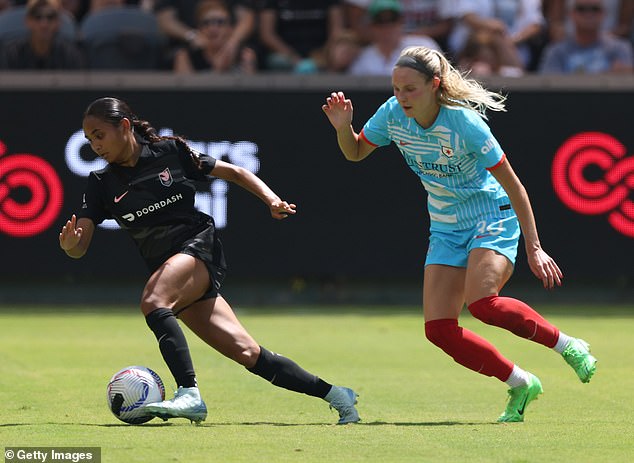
593,175
153,207
212,202
31,194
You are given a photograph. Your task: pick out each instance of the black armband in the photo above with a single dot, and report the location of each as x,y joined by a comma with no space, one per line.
206,164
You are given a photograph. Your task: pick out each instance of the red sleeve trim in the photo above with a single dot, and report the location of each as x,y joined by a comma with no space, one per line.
498,164
362,135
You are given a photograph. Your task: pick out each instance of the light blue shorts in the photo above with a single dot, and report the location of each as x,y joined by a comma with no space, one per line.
452,247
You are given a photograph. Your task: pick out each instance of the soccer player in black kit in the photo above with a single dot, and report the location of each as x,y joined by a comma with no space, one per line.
147,187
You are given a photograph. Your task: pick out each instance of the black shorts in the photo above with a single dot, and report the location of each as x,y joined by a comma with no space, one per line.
207,247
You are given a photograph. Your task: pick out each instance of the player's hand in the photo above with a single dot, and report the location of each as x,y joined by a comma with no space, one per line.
70,235
281,209
545,268
339,110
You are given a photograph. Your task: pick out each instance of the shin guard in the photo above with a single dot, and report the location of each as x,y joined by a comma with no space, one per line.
468,349
173,346
516,317
283,372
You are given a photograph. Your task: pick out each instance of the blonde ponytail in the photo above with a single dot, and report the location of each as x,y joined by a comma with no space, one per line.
455,88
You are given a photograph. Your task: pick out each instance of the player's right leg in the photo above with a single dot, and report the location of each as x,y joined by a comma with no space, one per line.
443,296
176,284
214,322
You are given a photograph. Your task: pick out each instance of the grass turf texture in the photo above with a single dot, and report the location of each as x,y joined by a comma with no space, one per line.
415,402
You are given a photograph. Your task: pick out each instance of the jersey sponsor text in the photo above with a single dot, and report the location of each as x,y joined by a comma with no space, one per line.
152,207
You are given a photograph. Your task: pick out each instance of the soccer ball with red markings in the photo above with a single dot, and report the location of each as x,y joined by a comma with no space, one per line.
130,389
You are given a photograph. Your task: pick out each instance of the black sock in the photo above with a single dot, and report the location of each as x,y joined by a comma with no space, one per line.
283,372
173,346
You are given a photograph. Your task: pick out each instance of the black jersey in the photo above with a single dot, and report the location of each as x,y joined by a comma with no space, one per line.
154,200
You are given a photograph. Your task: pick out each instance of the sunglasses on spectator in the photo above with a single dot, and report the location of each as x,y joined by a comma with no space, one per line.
47,16
214,22
588,8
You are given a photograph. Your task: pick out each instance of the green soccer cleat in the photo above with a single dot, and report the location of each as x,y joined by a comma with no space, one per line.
577,355
186,403
519,398
343,400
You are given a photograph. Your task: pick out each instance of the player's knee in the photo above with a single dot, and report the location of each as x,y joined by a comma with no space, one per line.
484,309
245,354
442,333
149,303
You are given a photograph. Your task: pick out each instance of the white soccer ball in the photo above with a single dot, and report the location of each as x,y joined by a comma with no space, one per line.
130,389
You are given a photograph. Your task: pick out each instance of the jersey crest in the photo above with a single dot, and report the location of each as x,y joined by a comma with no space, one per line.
447,151
166,177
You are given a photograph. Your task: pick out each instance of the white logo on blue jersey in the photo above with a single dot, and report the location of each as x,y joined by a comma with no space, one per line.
450,158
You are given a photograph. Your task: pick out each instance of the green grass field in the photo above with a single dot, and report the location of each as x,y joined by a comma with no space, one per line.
416,404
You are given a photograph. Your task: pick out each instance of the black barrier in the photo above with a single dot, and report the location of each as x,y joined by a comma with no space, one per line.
368,220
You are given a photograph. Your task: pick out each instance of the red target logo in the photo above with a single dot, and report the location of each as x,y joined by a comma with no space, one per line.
31,194
592,175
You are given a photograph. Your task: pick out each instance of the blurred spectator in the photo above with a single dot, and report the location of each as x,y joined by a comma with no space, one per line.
77,8
215,24
337,56
511,24
589,49
387,40
177,19
481,57
624,26
100,5
43,48
618,18
293,30
122,37
431,18
355,13
80,8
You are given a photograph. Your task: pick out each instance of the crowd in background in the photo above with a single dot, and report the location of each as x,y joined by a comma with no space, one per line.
359,37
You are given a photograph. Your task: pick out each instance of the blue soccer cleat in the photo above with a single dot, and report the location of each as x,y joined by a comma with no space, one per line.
343,400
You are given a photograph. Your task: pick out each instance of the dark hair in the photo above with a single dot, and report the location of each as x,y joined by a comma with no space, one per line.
113,110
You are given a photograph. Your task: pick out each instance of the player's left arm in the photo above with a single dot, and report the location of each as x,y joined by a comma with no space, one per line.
249,181
541,264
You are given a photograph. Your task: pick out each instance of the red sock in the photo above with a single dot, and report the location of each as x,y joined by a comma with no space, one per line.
468,349
515,316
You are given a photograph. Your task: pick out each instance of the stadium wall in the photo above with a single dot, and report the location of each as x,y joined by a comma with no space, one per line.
361,229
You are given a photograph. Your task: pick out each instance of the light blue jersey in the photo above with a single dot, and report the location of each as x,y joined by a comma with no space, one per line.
451,159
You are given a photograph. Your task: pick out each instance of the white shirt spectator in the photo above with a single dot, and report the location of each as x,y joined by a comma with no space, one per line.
372,62
516,14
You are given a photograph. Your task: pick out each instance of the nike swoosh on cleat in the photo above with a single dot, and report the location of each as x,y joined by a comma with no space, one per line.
119,198
521,409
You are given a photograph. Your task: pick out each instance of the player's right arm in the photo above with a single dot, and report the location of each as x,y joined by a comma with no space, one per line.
338,109
76,236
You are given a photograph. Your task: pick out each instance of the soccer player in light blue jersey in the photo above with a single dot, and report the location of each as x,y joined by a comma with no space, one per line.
477,208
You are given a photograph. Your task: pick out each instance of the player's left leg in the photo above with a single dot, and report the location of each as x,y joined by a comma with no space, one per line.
487,272
214,322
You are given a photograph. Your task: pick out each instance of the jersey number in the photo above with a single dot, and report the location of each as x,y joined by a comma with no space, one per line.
494,228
